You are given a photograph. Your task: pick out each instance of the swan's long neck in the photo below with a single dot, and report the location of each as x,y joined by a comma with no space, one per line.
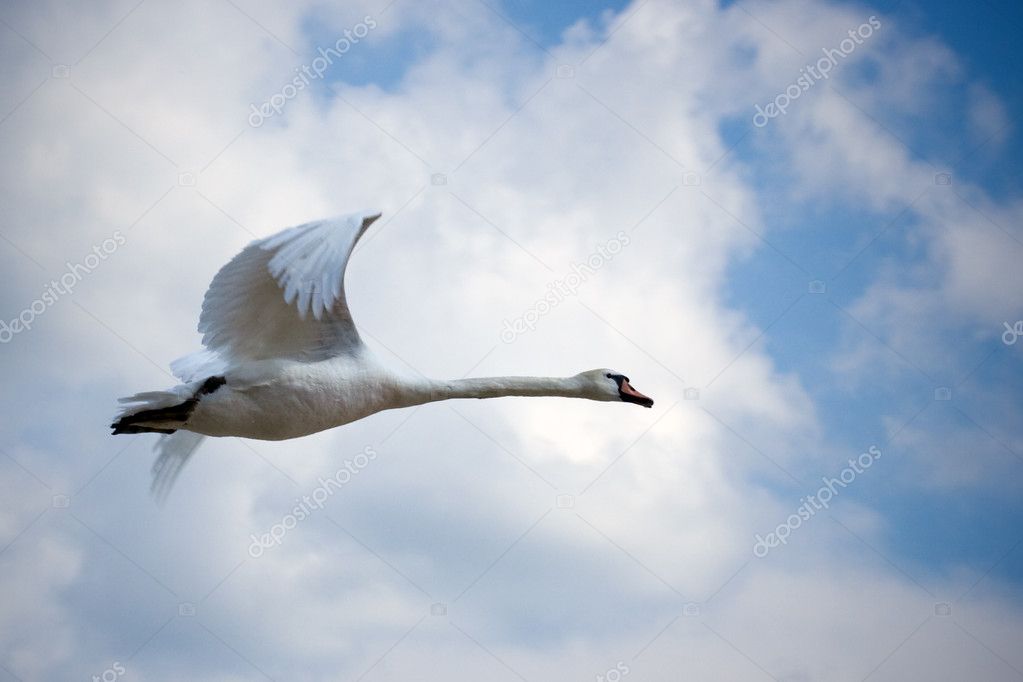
499,387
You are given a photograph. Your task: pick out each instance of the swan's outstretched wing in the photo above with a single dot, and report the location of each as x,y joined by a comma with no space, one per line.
284,296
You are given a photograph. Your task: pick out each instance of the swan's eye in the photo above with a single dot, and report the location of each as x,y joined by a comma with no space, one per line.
608,375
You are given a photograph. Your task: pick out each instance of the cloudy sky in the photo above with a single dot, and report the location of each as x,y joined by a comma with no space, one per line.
805,224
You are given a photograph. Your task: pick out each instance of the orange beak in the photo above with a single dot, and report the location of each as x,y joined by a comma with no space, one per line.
631,395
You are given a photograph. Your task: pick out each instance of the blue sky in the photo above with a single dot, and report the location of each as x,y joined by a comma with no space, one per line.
929,533
792,295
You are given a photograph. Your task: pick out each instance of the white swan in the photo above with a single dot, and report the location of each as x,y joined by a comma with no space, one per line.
283,358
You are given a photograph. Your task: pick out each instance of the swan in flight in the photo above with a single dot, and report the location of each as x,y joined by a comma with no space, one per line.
283,358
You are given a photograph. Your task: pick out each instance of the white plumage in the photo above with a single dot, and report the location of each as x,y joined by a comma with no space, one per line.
282,357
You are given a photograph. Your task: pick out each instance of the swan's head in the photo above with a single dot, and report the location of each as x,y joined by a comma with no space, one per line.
609,385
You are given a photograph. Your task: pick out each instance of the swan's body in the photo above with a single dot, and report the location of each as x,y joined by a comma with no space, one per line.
281,399
283,358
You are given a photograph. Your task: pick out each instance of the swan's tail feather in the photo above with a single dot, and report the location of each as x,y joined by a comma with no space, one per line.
163,411
174,451
154,412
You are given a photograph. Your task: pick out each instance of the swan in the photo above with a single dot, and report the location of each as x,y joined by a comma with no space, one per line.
282,357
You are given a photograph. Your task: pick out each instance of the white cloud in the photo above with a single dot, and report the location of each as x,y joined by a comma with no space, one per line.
989,119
